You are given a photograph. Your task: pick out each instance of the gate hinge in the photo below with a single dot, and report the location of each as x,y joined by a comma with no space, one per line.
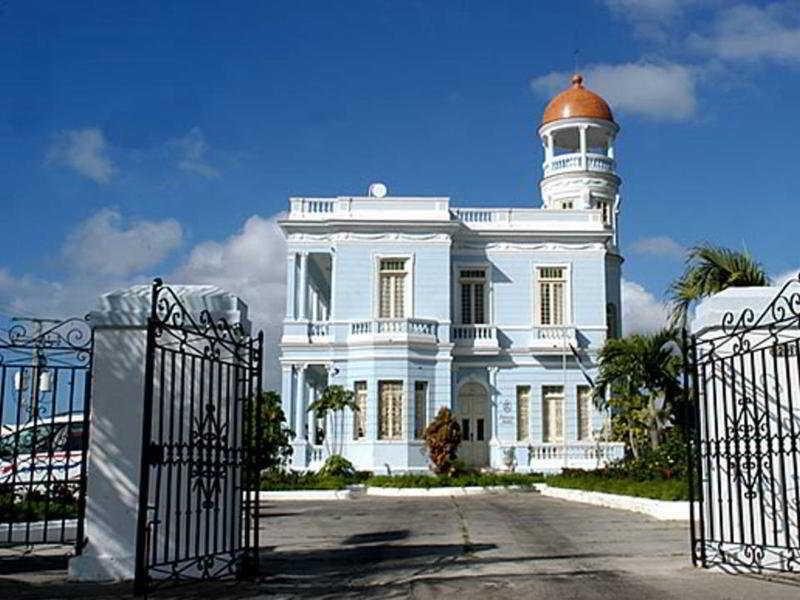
155,453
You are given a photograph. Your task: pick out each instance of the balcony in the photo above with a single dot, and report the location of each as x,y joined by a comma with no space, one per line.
565,163
553,339
395,330
573,455
475,339
319,332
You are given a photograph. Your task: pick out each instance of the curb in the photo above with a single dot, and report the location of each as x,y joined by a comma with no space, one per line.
356,491
662,510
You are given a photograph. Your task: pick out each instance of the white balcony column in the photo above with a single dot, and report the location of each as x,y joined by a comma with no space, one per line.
548,149
582,132
493,401
303,301
291,288
300,404
314,303
611,149
332,301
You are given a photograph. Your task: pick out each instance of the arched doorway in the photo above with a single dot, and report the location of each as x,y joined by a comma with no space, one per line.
473,416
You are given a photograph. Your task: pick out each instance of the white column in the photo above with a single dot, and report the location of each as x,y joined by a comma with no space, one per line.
493,401
548,153
300,405
303,301
583,145
116,427
332,302
611,149
291,287
287,376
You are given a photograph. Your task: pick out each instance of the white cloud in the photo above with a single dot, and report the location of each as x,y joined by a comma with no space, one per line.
103,255
192,149
85,151
661,245
647,9
660,91
784,277
251,264
102,246
751,33
641,311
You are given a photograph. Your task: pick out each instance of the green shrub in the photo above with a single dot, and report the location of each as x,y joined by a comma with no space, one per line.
60,502
667,461
461,480
606,482
289,480
337,466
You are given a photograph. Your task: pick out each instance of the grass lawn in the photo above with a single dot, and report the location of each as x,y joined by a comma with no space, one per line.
658,489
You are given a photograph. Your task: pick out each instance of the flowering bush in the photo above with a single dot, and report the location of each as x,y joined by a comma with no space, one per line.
442,438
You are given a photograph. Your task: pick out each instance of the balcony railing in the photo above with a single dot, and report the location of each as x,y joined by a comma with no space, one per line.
477,337
398,329
590,454
573,162
319,330
553,337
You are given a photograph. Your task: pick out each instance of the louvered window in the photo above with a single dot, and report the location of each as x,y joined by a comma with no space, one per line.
390,410
473,296
585,409
552,294
553,413
360,416
523,412
392,288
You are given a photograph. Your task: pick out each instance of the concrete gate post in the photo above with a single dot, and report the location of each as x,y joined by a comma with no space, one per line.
115,431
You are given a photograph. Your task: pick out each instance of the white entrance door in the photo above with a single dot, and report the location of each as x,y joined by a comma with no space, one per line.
473,417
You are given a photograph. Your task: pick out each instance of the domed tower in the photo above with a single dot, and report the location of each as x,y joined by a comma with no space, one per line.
578,132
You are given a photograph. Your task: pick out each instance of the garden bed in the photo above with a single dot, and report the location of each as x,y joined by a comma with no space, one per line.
657,489
472,480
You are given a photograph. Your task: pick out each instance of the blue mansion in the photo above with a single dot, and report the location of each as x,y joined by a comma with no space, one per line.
497,314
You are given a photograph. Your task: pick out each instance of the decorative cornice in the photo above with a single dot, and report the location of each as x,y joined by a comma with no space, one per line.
528,247
369,237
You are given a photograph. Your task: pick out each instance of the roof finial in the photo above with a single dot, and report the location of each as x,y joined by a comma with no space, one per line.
577,80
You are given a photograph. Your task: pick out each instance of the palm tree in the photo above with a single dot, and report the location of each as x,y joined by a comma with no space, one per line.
333,401
641,373
711,269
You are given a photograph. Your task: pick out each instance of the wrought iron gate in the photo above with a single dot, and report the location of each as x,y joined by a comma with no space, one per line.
745,376
198,513
45,384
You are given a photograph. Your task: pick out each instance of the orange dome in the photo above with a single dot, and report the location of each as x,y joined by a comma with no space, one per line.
577,101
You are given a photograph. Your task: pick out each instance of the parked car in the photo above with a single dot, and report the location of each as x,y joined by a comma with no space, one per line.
37,456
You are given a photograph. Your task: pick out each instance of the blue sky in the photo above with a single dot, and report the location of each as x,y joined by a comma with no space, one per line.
144,138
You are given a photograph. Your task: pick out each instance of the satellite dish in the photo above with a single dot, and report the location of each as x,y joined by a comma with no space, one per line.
377,190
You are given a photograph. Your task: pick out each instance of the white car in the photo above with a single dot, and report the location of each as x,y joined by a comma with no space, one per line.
42,454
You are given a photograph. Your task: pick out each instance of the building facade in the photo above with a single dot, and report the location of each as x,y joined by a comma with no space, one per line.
496,313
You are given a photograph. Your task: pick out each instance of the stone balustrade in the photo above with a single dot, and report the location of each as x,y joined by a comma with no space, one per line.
565,163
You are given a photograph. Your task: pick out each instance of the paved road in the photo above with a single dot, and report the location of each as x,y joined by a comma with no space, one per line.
503,546
509,546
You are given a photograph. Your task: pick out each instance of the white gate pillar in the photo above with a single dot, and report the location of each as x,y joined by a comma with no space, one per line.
115,428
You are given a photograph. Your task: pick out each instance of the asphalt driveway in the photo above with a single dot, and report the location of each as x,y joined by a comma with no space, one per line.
520,545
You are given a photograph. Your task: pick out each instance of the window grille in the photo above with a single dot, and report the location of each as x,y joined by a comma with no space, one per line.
553,413
473,301
360,416
392,288
585,409
523,412
390,410
552,286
